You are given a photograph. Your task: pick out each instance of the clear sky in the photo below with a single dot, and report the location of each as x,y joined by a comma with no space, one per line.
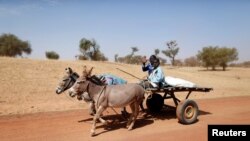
118,25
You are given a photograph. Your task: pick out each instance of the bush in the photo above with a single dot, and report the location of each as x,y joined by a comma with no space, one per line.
52,55
191,61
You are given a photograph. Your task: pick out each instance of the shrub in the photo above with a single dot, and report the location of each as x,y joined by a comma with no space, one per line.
52,55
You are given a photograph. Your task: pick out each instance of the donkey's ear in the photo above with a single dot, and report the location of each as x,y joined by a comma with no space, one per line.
84,68
90,71
68,70
84,72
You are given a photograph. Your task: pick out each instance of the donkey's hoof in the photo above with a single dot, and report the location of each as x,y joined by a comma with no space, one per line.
105,123
130,128
92,133
128,124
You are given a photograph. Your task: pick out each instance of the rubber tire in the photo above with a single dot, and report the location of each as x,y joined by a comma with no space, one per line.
187,111
155,103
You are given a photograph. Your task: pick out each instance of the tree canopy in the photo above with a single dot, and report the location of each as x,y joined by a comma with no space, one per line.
172,51
11,45
217,56
91,50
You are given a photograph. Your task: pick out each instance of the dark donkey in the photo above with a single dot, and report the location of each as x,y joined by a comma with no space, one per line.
116,96
67,81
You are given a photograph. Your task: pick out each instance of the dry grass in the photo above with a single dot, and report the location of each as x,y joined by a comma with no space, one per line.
28,86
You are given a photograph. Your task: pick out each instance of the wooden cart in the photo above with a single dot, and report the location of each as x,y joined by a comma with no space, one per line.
186,110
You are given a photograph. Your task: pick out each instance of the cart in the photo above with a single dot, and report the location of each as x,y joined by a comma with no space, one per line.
186,110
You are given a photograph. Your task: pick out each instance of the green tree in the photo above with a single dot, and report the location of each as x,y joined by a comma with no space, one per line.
11,45
208,57
85,46
213,56
227,55
52,55
172,51
91,50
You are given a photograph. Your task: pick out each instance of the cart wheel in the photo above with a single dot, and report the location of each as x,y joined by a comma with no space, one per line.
155,102
187,111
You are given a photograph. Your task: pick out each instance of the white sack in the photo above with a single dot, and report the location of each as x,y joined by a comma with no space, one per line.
178,82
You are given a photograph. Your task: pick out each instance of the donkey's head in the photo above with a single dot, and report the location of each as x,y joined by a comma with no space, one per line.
81,84
67,80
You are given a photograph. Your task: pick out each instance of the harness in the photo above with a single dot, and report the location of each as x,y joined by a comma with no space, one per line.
88,98
104,88
73,77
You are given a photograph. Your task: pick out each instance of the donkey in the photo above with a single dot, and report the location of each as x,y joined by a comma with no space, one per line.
67,81
116,96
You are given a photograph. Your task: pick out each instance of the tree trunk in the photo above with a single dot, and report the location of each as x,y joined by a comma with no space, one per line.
224,68
173,61
213,68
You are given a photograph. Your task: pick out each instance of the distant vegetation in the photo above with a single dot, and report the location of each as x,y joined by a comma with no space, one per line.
90,51
191,61
209,57
52,55
243,64
217,56
130,58
12,46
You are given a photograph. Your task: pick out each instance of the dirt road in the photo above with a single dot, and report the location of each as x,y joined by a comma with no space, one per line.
75,125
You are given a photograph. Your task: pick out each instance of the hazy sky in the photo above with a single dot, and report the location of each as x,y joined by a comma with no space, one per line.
118,25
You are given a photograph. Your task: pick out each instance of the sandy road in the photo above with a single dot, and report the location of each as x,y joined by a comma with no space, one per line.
75,125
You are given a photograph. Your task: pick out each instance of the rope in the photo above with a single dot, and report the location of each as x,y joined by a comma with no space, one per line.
97,103
129,73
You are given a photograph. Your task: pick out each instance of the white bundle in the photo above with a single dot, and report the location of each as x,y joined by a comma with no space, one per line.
178,82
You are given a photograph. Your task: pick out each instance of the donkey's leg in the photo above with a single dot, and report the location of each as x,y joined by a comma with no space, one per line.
132,106
96,116
92,109
124,112
142,108
135,114
103,121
